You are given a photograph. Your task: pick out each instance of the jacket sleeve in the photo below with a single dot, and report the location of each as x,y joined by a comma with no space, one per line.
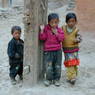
43,35
11,50
60,35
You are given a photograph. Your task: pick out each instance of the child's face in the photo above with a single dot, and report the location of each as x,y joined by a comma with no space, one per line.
71,22
54,23
16,34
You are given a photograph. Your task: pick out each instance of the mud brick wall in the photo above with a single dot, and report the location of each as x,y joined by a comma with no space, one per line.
86,14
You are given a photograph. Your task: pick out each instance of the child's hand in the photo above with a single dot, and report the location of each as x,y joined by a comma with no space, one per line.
17,56
54,31
42,28
78,39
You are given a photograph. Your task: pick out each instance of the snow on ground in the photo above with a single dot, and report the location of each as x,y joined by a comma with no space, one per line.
85,84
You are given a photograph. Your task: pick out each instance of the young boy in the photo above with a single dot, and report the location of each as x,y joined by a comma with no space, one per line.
15,54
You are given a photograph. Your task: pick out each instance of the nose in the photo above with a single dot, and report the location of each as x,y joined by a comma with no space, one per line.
17,34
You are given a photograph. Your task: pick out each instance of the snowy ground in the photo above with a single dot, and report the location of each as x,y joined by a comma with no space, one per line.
86,80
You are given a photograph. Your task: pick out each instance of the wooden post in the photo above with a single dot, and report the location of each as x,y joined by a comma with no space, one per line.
35,14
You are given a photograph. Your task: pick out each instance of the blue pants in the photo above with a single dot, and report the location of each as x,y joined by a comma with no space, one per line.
52,64
16,69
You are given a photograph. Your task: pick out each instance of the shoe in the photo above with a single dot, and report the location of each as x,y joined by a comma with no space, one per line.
57,83
72,81
13,81
47,83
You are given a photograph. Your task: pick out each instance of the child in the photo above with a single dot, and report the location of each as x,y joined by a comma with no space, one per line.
52,36
15,53
71,47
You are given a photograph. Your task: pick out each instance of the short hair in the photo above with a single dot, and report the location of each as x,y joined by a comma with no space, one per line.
69,16
53,16
18,28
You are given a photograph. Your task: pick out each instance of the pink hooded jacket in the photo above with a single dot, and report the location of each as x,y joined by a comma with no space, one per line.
52,42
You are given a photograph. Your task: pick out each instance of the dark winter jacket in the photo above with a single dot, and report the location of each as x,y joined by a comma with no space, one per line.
15,51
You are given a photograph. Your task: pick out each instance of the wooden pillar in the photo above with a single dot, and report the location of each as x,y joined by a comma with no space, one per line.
35,14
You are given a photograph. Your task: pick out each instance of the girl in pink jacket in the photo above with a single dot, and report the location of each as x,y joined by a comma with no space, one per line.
52,36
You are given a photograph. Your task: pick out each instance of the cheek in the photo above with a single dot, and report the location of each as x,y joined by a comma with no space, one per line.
14,35
73,24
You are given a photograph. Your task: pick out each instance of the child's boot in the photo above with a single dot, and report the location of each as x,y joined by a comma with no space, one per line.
57,83
47,82
13,81
73,81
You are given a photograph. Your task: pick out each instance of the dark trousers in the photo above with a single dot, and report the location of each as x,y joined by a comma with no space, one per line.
16,69
52,64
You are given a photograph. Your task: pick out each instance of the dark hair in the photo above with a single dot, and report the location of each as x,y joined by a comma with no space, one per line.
53,16
18,28
69,16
